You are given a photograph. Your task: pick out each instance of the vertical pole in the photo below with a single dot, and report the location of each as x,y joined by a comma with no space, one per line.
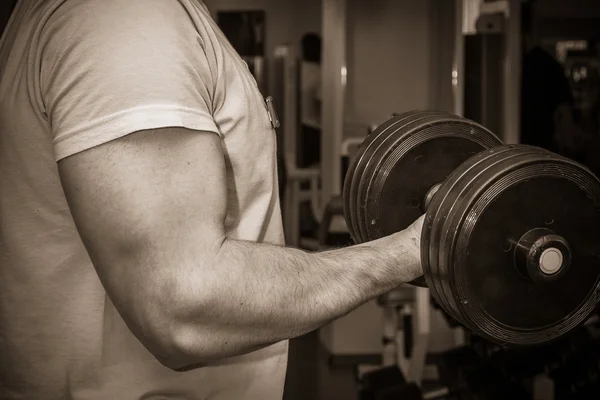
333,86
512,74
421,334
290,120
389,353
333,83
458,87
284,77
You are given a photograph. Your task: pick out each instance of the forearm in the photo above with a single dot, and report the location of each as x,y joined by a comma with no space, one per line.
259,294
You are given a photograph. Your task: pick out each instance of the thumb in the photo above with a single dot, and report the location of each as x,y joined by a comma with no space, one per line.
416,227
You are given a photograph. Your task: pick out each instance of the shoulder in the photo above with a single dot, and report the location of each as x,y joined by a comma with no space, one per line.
111,19
104,31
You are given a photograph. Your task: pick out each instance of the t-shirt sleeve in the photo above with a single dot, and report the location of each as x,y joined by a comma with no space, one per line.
110,68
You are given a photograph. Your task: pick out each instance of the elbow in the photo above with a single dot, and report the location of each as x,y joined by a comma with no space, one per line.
170,352
185,350
176,321
175,347
187,347
174,333
162,337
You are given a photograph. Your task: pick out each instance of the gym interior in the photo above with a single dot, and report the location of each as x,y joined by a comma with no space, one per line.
485,109
351,81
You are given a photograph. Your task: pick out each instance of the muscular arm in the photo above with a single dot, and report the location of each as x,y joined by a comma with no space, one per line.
150,208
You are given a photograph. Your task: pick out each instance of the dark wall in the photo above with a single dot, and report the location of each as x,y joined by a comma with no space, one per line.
6,7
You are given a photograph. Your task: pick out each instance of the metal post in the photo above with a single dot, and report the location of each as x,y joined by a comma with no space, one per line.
334,74
421,335
512,74
285,76
458,89
458,65
290,119
333,87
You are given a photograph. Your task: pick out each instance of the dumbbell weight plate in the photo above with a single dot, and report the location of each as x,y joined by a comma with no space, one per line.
447,200
416,157
356,164
449,203
356,160
442,205
514,190
379,149
362,158
367,154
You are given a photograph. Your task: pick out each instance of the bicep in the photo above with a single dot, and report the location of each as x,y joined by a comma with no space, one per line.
138,199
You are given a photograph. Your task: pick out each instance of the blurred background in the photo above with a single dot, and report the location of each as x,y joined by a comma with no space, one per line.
527,70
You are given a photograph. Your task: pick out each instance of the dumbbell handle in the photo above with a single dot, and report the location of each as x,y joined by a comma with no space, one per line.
429,196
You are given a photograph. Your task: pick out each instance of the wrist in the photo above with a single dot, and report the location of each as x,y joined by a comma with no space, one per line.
403,254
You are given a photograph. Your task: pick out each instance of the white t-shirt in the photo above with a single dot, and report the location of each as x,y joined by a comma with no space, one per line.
76,74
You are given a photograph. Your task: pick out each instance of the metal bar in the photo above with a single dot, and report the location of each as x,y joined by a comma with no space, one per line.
285,77
458,65
421,335
333,83
388,336
512,77
458,89
290,103
334,87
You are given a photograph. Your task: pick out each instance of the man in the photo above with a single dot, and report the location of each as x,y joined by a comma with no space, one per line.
142,247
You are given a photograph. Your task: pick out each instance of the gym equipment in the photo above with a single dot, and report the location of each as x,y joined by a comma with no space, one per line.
481,382
406,142
405,331
484,370
510,244
575,367
450,362
374,384
502,391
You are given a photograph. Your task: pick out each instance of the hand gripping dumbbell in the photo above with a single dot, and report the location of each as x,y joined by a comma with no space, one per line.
510,245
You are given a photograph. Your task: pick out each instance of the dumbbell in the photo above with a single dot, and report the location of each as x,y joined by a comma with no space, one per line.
510,246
